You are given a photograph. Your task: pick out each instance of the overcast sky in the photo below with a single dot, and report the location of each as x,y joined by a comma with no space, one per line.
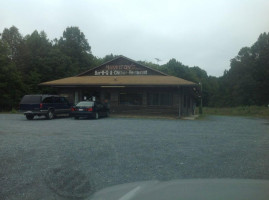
204,33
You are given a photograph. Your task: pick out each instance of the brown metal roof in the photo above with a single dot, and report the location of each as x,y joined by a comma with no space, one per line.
119,81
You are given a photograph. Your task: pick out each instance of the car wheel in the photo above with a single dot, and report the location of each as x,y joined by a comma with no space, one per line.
29,117
50,115
96,115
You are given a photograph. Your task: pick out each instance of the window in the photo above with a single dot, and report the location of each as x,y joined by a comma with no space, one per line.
165,99
107,96
99,105
57,100
189,102
31,99
48,100
63,100
159,99
130,99
85,103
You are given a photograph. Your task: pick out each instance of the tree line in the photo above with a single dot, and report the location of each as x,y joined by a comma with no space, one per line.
26,61
246,83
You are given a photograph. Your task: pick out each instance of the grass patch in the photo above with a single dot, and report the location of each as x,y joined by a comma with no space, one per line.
143,116
251,111
13,111
202,116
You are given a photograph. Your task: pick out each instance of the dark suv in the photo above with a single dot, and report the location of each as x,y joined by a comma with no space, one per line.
44,105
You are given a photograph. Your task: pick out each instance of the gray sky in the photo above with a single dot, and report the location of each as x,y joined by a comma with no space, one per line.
204,33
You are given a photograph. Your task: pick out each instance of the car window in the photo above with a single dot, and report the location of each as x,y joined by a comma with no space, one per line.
57,100
48,100
63,100
30,99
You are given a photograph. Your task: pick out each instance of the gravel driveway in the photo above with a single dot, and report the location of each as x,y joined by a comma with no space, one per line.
70,159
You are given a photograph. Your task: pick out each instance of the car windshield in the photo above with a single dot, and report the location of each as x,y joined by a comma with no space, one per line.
85,104
99,93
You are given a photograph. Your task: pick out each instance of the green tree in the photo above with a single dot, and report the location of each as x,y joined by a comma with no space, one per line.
74,45
13,39
194,74
108,58
17,49
11,85
246,82
36,70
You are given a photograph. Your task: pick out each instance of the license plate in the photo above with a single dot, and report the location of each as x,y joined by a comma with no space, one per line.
80,109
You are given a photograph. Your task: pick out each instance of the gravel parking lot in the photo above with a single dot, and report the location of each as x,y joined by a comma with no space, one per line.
70,159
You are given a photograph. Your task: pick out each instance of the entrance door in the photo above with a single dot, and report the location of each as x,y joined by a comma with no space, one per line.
88,95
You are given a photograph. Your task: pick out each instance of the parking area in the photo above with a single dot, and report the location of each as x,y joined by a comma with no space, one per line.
66,158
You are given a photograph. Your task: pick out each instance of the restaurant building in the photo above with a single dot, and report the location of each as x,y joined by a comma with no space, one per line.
130,87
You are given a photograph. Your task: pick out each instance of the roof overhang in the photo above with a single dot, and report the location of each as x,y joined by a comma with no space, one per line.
116,81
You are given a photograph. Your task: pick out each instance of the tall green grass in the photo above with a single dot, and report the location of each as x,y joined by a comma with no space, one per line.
255,111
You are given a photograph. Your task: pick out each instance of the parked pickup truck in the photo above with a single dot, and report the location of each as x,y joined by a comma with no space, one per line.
44,105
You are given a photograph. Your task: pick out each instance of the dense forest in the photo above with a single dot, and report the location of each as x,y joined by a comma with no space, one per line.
26,61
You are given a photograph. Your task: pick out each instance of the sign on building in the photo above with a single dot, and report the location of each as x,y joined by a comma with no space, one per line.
120,70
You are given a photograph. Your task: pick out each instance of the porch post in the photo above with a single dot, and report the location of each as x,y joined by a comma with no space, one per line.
76,96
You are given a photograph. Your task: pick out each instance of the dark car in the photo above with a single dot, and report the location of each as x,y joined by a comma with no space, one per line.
89,109
44,105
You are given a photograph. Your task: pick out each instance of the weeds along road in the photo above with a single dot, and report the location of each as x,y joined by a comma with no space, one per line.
66,158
